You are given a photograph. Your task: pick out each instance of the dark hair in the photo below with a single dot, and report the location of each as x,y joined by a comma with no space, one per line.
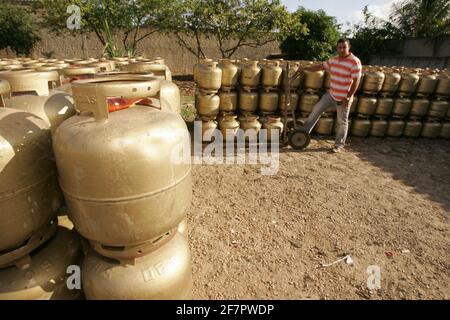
343,40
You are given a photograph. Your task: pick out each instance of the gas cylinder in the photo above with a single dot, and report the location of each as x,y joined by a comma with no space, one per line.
197,66
159,70
208,126
53,109
102,66
379,127
360,127
209,77
251,127
268,102
431,129
427,84
313,80
438,109
391,82
324,126
298,82
77,73
44,276
384,106
402,106
373,81
443,86
395,128
183,229
207,105
408,83
366,105
163,274
413,128
228,101
230,74
294,101
307,102
5,92
92,150
274,126
445,131
248,101
250,74
229,126
31,82
271,75
419,107
29,194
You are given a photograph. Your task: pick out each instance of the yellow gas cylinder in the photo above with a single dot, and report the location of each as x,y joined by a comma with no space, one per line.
402,106
31,82
445,131
44,276
230,74
99,182
366,105
379,127
159,70
373,82
76,73
208,128
274,126
294,102
384,106
313,81
29,194
413,128
395,128
431,129
209,77
438,109
408,83
298,82
229,126
183,229
419,107
250,74
163,274
307,102
443,86
324,126
391,83
228,101
427,84
5,92
207,105
251,127
271,75
248,101
268,102
360,127
103,66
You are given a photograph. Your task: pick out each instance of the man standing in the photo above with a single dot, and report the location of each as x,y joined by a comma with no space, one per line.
345,74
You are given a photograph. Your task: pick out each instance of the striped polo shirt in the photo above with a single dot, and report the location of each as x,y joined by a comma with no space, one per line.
343,71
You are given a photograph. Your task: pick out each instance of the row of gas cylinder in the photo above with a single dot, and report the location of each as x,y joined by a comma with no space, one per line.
209,106
360,126
226,75
109,142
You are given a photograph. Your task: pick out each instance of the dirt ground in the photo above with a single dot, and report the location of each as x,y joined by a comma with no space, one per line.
386,202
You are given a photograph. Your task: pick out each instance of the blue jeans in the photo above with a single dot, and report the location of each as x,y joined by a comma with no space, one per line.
342,117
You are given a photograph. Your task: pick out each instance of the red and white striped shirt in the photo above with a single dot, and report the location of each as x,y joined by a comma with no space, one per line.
343,71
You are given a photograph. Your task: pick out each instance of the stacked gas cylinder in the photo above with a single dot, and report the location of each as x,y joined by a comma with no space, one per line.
116,140
390,101
34,251
238,94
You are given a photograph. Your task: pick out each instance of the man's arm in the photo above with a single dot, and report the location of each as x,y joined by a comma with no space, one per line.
354,87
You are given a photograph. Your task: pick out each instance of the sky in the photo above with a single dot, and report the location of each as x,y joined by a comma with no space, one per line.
344,10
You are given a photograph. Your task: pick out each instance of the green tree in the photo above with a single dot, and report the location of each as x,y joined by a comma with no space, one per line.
421,18
17,31
318,43
233,24
108,18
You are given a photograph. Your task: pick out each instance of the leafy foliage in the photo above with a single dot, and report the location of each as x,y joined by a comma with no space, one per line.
17,30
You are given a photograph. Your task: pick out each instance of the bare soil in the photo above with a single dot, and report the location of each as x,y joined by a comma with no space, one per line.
384,201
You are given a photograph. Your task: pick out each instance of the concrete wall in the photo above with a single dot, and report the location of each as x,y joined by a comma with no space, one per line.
180,60
422,52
